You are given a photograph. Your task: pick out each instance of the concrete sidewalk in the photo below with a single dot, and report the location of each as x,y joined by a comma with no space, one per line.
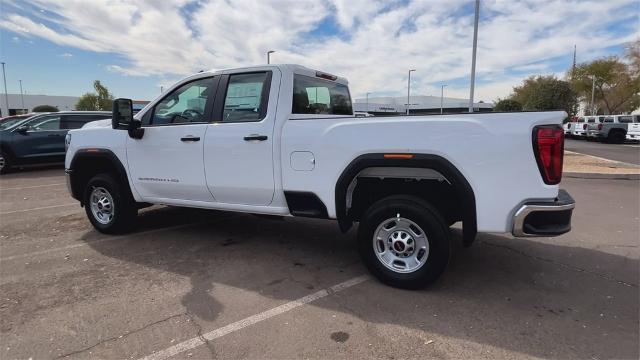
578,163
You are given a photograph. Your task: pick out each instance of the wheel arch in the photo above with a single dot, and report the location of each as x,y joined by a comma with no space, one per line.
87,163
436,163
6,148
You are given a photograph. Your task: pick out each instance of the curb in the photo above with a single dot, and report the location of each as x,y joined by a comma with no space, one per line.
577,175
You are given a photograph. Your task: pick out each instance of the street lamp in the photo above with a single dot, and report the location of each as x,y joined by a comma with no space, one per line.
441,97
367,101
269,56
21,95
409,90
6,94
473,56
593,92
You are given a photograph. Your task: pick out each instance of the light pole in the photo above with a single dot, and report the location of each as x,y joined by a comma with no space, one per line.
21,95
368,101
269,56
6,94
441,97
593,92
473,56
409,90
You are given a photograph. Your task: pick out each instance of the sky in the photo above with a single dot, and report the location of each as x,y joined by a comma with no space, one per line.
135,47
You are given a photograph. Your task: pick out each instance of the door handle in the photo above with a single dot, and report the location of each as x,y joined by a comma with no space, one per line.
190,138
256,137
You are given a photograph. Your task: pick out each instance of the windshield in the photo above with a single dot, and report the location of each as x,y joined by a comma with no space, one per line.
12,121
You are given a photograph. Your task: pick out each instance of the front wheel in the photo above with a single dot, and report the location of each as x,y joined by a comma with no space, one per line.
107,205
5,163
404,242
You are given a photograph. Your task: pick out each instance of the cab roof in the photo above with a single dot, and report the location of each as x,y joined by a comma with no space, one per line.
293,68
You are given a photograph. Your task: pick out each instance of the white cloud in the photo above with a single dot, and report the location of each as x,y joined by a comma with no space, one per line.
66,55
378,41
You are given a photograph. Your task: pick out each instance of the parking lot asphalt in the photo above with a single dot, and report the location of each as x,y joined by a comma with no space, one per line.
205,284
628,152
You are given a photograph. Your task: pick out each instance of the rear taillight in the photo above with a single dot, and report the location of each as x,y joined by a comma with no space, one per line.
548,147
599,127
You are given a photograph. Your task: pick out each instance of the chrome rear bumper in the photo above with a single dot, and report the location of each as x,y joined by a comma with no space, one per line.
544,218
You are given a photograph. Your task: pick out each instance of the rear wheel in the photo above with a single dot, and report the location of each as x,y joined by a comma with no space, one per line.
404,242
107,205
616,137
5,163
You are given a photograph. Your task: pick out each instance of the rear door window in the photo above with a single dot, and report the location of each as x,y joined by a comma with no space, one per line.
246,98
69,122
45,123
319,96
625,119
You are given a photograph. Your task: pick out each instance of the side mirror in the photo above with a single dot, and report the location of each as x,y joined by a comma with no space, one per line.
122,115
22,129
122,118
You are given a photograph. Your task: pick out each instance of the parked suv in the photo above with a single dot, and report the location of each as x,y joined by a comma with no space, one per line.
40,138
612,128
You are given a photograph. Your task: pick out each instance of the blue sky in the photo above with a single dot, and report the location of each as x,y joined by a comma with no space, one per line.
134,47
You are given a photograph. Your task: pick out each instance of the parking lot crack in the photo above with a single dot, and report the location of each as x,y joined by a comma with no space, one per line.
199,333
558,263
115,338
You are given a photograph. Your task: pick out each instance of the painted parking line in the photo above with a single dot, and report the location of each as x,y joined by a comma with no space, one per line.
38,208
112,238
252,320
30,187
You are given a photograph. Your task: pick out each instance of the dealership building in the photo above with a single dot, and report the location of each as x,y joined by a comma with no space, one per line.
24,104
417,105
19,104
374,105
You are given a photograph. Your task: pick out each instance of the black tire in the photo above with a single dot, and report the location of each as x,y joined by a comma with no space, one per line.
616,137
6,165
428,219
124,207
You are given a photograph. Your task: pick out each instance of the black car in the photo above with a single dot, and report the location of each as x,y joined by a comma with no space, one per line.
39,139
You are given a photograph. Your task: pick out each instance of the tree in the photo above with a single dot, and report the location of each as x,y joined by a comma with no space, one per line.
507,105
45,108
546,93
617,84
100,100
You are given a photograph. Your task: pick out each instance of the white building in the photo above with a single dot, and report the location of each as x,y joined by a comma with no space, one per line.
418,105
63,103
16,101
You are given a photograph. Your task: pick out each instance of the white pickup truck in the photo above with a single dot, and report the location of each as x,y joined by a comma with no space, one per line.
283,140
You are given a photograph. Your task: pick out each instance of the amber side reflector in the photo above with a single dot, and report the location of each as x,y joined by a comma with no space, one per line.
92,150
398,156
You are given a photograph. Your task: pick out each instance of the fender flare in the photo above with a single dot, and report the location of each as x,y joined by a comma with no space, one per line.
435,162
95,153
